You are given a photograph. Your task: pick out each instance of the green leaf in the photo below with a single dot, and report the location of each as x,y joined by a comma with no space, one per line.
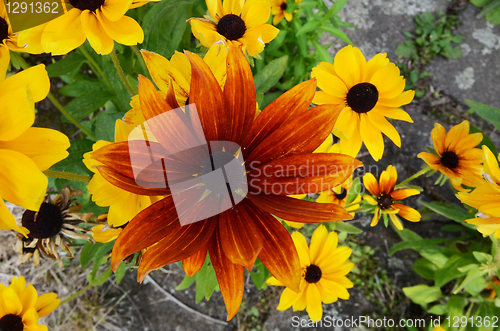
423,294
210,282
486,112
425,268
345,227
322,52
336,32
308,28
120,273
415,245
81,87
482,258
73,163
84,105
201,277
473,273
260,276
69,64
408,235
453,212
88,253
101,278
186,282
456,305
486,140
437,310
270,74
105,125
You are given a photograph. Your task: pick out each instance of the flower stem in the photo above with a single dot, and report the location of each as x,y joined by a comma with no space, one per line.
56,103
66,175
418,174
76,294
119,69
95,67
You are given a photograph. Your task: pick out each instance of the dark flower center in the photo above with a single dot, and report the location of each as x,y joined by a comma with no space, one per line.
342,194
11,323
313,274
362,97
449,159
385,201
219,160
4,29
91,5
231,26
45,223
284,6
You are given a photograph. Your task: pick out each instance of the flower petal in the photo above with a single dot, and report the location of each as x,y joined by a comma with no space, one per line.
407,213
255,13
371,184
46,303
194,263
288,298
302,249
371,137
401,194
230,276
314,307
35,79
8,221
124,31
63,34
115,9
17,113
240,237
388,179
350,65
100,41
385,127
318,241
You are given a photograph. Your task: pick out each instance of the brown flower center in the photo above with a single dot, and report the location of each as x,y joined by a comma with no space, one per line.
4,29
91,5
11,322
362,97
385,201
45,223
342,194
313,274
231,26
284,6
449,159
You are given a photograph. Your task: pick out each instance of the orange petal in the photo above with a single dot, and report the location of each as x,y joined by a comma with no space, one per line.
301,211
194,263
407,212
294,137
239,95
371,184
207,95
129,184
388,179
241,239
278,252
230,276
288,106
147,228
303,173
399,195
178,243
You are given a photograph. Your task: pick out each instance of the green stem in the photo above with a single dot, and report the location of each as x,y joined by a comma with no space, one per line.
76,294
73,120
418,174
66,175
95,67
144,67
119,69
58,105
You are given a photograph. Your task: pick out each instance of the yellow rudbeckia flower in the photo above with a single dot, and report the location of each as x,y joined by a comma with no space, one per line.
387,198
457,157
324,269
278,9
101,22
21,307
370,92
236,22
486,198
25,151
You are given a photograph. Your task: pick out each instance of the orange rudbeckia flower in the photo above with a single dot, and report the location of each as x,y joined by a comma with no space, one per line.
278,140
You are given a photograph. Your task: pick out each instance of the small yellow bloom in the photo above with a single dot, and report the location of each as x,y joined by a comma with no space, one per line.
279,10
486,197
25,151
236,22
457,158
324,269
101,22
386,198
370,92
21,307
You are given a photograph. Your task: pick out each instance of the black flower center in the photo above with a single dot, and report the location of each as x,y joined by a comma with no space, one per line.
45,223
313,274
91,5
11,323
362,97
342,194
385,201
232,174
231,26
284,6
449,159
4,29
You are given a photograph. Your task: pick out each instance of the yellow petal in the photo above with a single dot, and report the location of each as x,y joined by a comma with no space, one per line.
274,282
491,164
318,240
100,41
4,60
314,307
255,13
17,114
22,183
8,221
35,79
347,123
30,319
395,220
322,97
12,303
31,39
215,9
385,127
44,147
105,236
350,65
330,245
115,9
371,137
302,249
125,31
232,7
28,297
205,31
124,210
325,145
46,303
64,33
328,81
252,41
105,194
287,299
268,32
